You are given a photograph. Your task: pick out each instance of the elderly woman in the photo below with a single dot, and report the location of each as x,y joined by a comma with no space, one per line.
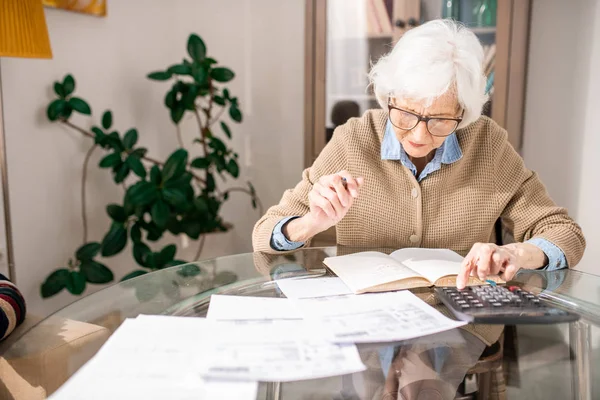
427,170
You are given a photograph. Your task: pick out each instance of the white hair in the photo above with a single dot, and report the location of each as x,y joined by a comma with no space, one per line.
430,60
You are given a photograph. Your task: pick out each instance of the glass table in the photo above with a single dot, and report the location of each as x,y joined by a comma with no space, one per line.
531,362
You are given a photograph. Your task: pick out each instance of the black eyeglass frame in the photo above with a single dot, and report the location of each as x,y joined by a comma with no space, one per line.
425,119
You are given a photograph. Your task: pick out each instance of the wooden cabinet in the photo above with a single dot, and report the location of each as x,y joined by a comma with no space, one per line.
344,36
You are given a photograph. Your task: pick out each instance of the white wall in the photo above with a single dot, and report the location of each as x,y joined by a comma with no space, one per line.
562,132
261,40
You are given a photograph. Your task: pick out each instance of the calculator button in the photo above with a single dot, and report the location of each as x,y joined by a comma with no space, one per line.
465,306
497,304
478,305
461,302
535,301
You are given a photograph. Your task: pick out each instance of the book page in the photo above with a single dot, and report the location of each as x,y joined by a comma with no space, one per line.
360,271
433,264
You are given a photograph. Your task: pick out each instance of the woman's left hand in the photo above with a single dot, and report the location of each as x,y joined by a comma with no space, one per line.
486,259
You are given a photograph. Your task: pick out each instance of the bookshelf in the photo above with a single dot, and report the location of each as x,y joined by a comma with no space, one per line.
344,36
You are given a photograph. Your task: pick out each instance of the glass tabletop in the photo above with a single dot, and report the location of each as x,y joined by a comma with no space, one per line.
529,361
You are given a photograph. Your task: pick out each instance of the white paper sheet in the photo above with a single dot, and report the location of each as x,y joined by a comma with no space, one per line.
378,317
277,350
306,288
251,308
159,364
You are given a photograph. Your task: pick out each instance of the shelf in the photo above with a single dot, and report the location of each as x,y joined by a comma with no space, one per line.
486,30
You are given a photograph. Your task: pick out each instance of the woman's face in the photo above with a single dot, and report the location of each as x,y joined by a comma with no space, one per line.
418,142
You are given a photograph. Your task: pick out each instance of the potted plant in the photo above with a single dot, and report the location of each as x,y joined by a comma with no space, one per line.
179,195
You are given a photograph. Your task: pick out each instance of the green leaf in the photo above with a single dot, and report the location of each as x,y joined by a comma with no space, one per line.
189,97
217,144
210,60
136,166
142,193
226,93
175,197
130,138
226,129
180,69
235,113
55,109
196,47
94,272
160,213
56,282
200,162
107,120
222,74
133,274
140,253
200,74
121,172
167,254
139,152
110,160
59,89
115,240
66,111
192,228
159,76
219,100
116,213
136,233
155,175
170,98
68,84
210,182
175,165
188,270
80,106
154,232
201,205
177,113
75,283
233,168
182,183
88,251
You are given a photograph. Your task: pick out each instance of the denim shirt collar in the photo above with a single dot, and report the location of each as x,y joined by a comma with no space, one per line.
391,149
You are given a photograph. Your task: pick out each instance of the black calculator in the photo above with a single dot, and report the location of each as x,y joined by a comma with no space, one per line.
510,305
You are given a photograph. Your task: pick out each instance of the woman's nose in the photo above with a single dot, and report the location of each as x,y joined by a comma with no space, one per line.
420,132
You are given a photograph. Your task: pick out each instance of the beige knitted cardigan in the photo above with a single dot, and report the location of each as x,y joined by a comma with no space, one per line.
452,208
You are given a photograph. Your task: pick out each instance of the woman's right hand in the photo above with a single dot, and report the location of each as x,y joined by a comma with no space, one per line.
329,202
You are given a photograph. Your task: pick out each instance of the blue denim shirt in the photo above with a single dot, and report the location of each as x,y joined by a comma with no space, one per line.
449,152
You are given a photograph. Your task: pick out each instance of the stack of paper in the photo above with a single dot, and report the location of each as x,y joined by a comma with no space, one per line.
245,340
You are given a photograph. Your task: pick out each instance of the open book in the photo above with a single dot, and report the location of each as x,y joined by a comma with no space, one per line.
371,271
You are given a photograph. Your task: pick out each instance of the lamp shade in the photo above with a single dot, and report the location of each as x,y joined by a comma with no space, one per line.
23,31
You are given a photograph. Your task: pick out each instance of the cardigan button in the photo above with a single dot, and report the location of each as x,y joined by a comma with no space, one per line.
413,239
414,193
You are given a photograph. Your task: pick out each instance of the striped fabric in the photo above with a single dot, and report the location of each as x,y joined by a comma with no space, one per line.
12,307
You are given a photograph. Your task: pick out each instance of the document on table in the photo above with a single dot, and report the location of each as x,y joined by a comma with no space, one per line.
305,288
251,308
377,317
153,365
276,350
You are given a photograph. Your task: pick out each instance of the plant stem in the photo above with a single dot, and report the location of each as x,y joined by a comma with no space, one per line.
217,117
83,181
200,246
146,158
249,193
178,129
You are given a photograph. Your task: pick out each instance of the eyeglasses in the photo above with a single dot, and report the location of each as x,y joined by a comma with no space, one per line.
437,126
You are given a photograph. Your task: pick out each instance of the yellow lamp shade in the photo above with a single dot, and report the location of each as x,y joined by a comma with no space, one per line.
23,31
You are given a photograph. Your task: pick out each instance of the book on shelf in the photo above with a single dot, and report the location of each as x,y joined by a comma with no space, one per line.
378,18
372,271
